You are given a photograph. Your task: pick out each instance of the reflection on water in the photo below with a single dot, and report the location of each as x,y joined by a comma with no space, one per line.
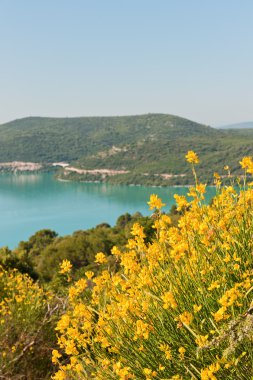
29,202
20,179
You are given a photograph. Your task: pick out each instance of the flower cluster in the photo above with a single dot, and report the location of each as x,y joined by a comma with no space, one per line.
26,331
192,157
65,266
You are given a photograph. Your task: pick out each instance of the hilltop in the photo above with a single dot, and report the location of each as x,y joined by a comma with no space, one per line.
145,149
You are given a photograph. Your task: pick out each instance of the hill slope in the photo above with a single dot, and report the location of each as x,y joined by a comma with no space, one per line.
54,139
150,147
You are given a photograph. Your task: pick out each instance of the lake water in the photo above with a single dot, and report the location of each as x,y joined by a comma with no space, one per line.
30,202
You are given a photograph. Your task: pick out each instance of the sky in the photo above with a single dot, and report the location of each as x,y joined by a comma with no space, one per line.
191,58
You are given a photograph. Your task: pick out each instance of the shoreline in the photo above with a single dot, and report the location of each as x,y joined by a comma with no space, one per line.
29,172
125,184
16,167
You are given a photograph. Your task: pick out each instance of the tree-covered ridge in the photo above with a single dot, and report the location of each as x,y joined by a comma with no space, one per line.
150,148
59,139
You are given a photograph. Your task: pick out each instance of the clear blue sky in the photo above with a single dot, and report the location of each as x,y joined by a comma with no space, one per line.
192,58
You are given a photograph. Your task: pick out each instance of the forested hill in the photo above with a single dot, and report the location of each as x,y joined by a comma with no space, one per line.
69,139
146,146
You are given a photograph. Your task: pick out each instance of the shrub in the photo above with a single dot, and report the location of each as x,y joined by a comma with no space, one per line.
27,320
179,307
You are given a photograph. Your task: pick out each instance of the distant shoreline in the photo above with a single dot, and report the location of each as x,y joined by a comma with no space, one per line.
21,166
66,173
58,178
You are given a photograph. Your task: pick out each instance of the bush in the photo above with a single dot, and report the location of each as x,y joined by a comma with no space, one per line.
28,316
179,307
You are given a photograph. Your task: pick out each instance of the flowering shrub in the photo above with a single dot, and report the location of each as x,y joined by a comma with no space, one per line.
27,320
179,307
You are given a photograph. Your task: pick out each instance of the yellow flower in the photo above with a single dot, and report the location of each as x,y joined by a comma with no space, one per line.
65,266
192,157
71,348
181,201
186,318
55,356
181,351
246,162
63,323
115,251
214,285
220,314
138,230
167,351
208,373
197,308
89,274
155,202
78,367
60,375
201,340
169,301
147,371
100,258
142,330
201,188
105,362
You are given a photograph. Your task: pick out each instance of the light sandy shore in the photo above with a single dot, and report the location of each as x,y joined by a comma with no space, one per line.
109,172
21,166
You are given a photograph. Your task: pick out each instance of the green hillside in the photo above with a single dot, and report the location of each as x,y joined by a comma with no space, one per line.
146,146
56,139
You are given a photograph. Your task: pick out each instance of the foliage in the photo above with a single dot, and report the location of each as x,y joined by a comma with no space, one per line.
27,319
178,307
21,262
148,146
41,255
68,139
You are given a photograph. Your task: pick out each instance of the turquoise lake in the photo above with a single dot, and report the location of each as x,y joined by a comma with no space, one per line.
30,202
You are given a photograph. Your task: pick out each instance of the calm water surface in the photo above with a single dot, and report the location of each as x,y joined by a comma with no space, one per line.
30,202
